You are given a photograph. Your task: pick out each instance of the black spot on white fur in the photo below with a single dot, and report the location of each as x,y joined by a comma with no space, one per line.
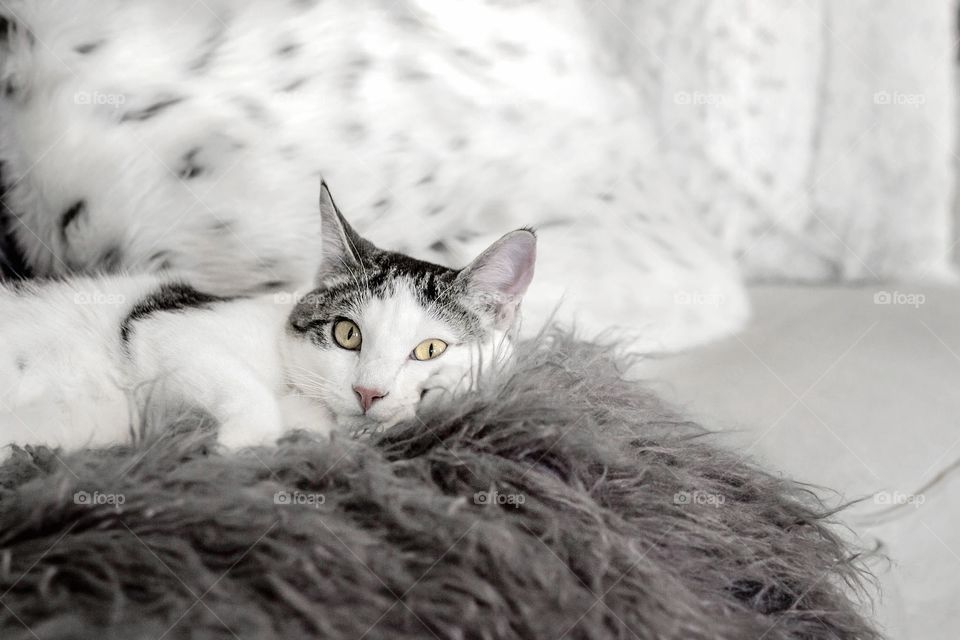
211,45
410,73
11,29
151,111
89,47
294,84
68,217
21,363
189,167
168,298
288,50
111,259
254,110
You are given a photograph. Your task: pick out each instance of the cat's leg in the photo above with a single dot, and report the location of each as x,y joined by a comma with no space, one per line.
249,417
300,412
69,423
247,409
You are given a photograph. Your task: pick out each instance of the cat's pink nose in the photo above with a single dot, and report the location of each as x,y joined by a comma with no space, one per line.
367,396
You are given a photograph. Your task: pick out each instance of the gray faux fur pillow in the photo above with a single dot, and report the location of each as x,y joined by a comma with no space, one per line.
563,502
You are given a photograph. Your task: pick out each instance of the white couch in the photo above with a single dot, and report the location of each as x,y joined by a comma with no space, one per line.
831,387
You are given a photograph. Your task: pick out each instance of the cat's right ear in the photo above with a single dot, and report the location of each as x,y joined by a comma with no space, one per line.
342,247
502,273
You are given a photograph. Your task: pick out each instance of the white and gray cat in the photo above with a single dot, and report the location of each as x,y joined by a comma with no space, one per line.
362,349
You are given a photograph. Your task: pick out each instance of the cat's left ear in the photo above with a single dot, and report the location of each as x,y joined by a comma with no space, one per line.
341,245
500,275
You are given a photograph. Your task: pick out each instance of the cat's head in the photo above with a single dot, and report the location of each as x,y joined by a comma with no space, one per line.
382,329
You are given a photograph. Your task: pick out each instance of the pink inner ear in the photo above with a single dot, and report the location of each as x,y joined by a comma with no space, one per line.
507,267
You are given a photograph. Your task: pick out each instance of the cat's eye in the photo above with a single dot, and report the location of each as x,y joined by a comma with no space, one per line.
347,334
429,349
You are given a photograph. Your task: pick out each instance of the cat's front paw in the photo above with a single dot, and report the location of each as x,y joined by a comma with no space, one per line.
257,427
300,412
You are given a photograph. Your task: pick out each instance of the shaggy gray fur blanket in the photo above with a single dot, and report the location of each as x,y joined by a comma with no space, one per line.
564,502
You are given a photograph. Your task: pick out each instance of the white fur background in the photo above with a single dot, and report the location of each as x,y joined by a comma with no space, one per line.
662,149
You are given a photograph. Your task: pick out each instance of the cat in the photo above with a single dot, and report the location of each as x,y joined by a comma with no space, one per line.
377,334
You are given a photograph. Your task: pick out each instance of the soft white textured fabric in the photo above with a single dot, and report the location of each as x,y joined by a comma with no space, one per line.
194,135
816,137
657,146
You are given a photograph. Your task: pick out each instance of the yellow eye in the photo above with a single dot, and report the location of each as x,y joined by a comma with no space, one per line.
347,334
429,349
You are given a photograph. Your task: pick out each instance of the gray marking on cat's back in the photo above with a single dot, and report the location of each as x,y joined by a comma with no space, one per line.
168,297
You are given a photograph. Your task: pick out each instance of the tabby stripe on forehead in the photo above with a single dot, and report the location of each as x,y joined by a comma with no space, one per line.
430,290
169,297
